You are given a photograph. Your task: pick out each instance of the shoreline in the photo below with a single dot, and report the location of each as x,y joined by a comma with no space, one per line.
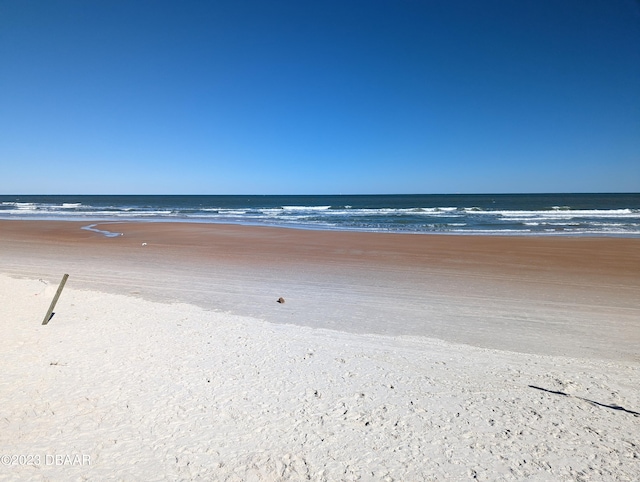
566,214
551,295
314,228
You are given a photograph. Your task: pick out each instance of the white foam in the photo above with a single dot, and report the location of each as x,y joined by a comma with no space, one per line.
565,213
26,206
306,208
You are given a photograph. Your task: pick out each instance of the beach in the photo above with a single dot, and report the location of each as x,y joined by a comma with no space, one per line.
393,356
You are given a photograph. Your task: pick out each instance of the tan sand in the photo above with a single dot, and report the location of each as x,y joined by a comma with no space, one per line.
151,368
556,296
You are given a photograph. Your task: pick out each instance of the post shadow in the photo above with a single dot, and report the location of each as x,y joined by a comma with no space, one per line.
593,402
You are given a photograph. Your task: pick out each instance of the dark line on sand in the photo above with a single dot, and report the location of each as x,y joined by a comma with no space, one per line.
612,407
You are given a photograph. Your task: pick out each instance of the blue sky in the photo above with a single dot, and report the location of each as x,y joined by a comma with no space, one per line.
322,97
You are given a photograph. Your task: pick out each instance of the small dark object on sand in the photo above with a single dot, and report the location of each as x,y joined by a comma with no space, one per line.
280,300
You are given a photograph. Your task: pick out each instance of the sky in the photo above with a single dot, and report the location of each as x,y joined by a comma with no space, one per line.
319,97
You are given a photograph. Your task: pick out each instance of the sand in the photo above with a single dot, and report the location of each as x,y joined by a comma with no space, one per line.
394,357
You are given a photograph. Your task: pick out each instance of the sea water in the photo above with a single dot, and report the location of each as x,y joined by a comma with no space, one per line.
509,214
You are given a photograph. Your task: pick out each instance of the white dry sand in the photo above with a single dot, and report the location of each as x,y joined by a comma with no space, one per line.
121,388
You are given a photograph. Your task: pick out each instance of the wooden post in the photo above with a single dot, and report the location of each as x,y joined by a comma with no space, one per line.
49,314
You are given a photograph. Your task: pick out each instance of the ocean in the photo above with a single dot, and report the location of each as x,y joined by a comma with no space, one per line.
503,214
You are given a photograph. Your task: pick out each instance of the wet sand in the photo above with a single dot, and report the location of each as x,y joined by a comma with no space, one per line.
545,295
